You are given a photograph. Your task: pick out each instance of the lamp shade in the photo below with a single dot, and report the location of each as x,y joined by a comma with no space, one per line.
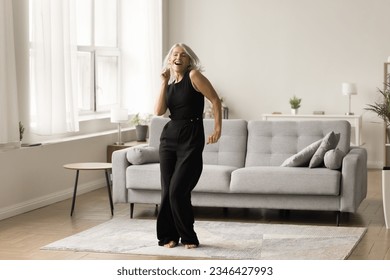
119,115
349,89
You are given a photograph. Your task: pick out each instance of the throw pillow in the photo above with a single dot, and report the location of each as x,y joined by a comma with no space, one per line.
142,155
333,159
329,142
302,158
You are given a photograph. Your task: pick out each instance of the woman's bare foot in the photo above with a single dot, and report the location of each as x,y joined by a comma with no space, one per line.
190,246
170,244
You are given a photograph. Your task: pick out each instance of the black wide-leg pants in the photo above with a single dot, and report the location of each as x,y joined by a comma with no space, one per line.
181,147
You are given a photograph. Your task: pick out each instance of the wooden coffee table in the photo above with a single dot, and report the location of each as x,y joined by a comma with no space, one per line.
90,166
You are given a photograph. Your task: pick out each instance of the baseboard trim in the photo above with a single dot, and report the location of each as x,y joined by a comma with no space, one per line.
42,201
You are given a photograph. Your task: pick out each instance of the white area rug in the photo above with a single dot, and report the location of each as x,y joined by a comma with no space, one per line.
219,240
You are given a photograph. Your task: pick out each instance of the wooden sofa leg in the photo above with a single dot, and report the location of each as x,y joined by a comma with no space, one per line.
131,210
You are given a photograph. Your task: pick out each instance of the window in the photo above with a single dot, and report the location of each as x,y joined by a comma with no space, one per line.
98,57
77,67
74,62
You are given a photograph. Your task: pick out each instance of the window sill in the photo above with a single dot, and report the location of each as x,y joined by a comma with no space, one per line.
94,116
84,136
62,140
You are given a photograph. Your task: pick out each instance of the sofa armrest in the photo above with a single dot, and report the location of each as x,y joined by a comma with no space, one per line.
354,179
119,166
139,154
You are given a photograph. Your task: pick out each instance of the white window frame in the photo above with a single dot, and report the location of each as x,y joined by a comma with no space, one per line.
98,51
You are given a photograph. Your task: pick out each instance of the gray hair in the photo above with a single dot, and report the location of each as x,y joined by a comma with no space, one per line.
194,60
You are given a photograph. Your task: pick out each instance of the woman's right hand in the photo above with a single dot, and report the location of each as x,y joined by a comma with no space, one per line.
166,75
161,107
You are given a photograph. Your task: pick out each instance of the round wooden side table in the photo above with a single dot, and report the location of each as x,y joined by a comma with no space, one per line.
90,166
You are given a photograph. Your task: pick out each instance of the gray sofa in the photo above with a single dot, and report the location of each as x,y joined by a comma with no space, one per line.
244,169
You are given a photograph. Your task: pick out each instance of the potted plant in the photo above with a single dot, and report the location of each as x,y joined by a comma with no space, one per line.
382,108
141,123
295,103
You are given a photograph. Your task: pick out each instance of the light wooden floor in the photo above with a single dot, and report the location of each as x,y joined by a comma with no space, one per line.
21,237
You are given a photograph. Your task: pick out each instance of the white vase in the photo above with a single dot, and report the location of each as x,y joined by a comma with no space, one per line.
294,111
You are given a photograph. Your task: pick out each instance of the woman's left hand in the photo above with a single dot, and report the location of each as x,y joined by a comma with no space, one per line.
213,138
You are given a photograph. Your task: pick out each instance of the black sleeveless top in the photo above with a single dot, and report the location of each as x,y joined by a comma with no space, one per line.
184,101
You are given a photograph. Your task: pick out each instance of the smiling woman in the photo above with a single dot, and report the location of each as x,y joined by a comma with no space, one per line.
195,63
183,90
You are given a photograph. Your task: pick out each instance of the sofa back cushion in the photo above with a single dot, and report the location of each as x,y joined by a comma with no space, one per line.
230,150
156,126
272,142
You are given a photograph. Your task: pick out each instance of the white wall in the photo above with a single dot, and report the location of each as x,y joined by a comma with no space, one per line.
258,53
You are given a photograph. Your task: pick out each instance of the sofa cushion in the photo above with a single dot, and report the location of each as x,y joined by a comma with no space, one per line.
230,150
270,143
144,176
156,127
214,178
333,159
284,180
329,142
143,154
303,157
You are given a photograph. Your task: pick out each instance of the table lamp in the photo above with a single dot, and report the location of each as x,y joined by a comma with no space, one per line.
349,89
119,116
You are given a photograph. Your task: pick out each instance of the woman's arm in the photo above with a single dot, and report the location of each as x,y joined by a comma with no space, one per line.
161,106
203,85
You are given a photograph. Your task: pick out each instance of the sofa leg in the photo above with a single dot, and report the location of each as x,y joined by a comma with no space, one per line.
131,210
156,210
285,213
225,211
338,218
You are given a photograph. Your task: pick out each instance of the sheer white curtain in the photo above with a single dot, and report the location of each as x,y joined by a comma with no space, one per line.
9,119
54,107
141,47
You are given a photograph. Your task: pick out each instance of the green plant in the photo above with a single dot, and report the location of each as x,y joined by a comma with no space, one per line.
139,119
295,102
382,109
